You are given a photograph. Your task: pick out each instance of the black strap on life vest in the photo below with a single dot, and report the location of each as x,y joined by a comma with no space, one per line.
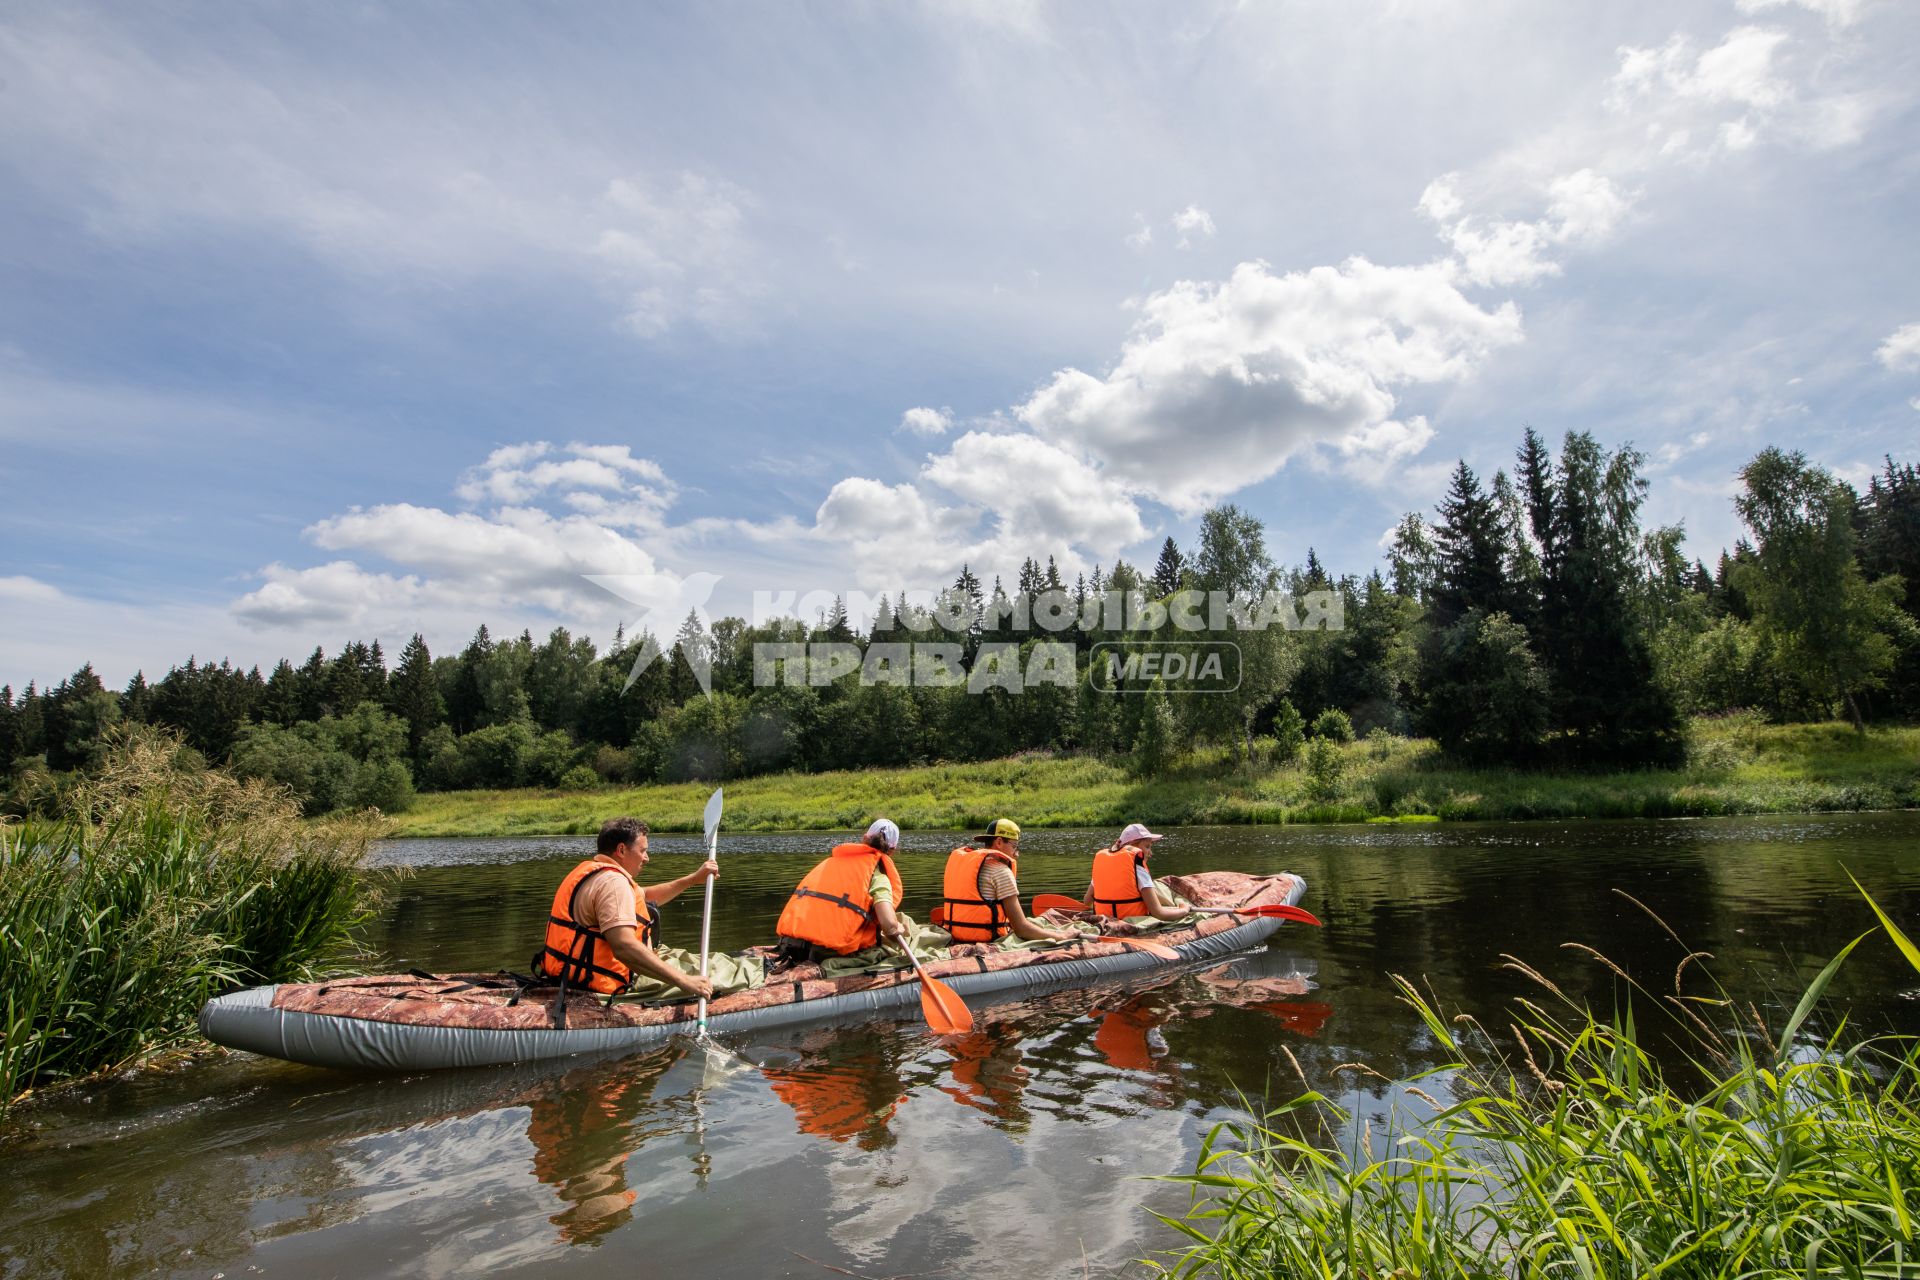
837,899
576,964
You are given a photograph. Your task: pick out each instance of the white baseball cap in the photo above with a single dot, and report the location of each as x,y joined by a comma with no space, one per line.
888,833
1137,833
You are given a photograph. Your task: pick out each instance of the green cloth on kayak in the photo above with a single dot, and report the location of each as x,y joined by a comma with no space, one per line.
928,943
1168,898
728,973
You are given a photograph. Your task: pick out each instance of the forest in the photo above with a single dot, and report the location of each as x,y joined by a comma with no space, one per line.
1532,621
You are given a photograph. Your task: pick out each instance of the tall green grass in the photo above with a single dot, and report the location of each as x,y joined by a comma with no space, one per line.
1737,765
159,885
1583,1157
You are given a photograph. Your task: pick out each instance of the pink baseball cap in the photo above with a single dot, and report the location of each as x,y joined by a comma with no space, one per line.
1137,832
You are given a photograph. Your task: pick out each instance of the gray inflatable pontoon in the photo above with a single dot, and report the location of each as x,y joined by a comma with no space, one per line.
417,1023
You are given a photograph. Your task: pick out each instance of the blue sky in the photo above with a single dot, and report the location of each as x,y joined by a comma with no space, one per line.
321,323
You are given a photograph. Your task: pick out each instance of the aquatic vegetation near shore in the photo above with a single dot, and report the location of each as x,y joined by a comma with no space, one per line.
1584,1157
159,884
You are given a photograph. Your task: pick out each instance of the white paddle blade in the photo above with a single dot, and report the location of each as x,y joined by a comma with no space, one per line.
713,814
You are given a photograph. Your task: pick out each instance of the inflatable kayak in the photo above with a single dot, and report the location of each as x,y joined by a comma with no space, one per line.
415,1022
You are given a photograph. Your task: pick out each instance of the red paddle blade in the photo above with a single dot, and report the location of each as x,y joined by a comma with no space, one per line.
946,1013
938,916
1278,910
1141,944
1045,902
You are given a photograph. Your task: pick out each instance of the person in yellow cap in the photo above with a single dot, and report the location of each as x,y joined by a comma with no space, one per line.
982,895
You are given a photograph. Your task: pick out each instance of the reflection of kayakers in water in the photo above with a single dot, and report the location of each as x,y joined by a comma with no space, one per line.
603,931
850,1089
989,1075
1122,886
582,1131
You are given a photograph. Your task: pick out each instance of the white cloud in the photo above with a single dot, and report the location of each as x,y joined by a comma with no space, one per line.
1838,13
1901,351
605,481
1039,495
1220,384
510,559
1141,237
923,421
1192,223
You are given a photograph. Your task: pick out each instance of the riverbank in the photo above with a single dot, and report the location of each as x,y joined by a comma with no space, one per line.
1735,766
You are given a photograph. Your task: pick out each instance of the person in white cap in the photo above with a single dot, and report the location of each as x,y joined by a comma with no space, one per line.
1121,885
846,903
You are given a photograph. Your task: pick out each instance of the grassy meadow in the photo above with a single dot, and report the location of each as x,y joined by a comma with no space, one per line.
1736,765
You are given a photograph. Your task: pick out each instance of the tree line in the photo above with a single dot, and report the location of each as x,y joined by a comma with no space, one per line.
1530,620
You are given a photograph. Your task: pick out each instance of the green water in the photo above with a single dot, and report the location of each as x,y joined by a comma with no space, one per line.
874,1147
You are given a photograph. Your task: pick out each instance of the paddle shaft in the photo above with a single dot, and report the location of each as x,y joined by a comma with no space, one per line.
706,923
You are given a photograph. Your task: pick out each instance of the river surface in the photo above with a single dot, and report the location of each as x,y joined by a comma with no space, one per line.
875,1149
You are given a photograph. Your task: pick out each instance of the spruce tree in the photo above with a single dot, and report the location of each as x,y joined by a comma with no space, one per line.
413,693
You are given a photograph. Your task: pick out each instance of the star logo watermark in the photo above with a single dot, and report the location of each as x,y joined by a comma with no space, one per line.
667,603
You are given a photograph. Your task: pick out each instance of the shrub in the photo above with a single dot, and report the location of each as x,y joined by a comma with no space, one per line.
582,777
1323,769
157,886
1289,733
1334,725
1379,743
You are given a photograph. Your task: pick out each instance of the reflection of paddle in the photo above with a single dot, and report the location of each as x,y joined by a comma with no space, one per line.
1045,902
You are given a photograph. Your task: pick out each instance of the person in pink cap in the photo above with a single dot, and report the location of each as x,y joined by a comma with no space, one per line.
1121,885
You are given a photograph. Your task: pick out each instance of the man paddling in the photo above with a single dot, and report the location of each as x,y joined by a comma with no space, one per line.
982,895
1122,886
846,904
595,935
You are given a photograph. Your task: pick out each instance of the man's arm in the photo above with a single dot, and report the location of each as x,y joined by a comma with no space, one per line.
668,890
624,942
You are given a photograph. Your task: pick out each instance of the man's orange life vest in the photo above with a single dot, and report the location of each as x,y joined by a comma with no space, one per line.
971,915
832,908
579,956
1116,889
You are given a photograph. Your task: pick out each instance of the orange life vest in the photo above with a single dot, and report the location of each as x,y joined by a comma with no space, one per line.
1116,889
832,908
579,956
971,915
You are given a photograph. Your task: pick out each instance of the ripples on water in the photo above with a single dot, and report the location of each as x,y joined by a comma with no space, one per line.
876,1147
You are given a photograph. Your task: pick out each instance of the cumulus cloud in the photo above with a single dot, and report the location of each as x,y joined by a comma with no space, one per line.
1901,351
1583,207
1220,384
510,558
1192,223
927,422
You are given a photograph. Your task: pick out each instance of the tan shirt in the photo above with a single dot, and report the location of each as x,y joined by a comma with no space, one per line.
606,901
997,881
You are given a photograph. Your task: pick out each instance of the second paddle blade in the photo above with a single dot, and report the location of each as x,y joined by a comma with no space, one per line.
946,1013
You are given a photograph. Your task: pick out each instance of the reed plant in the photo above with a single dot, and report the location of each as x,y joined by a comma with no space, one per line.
157,885
1577,1153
